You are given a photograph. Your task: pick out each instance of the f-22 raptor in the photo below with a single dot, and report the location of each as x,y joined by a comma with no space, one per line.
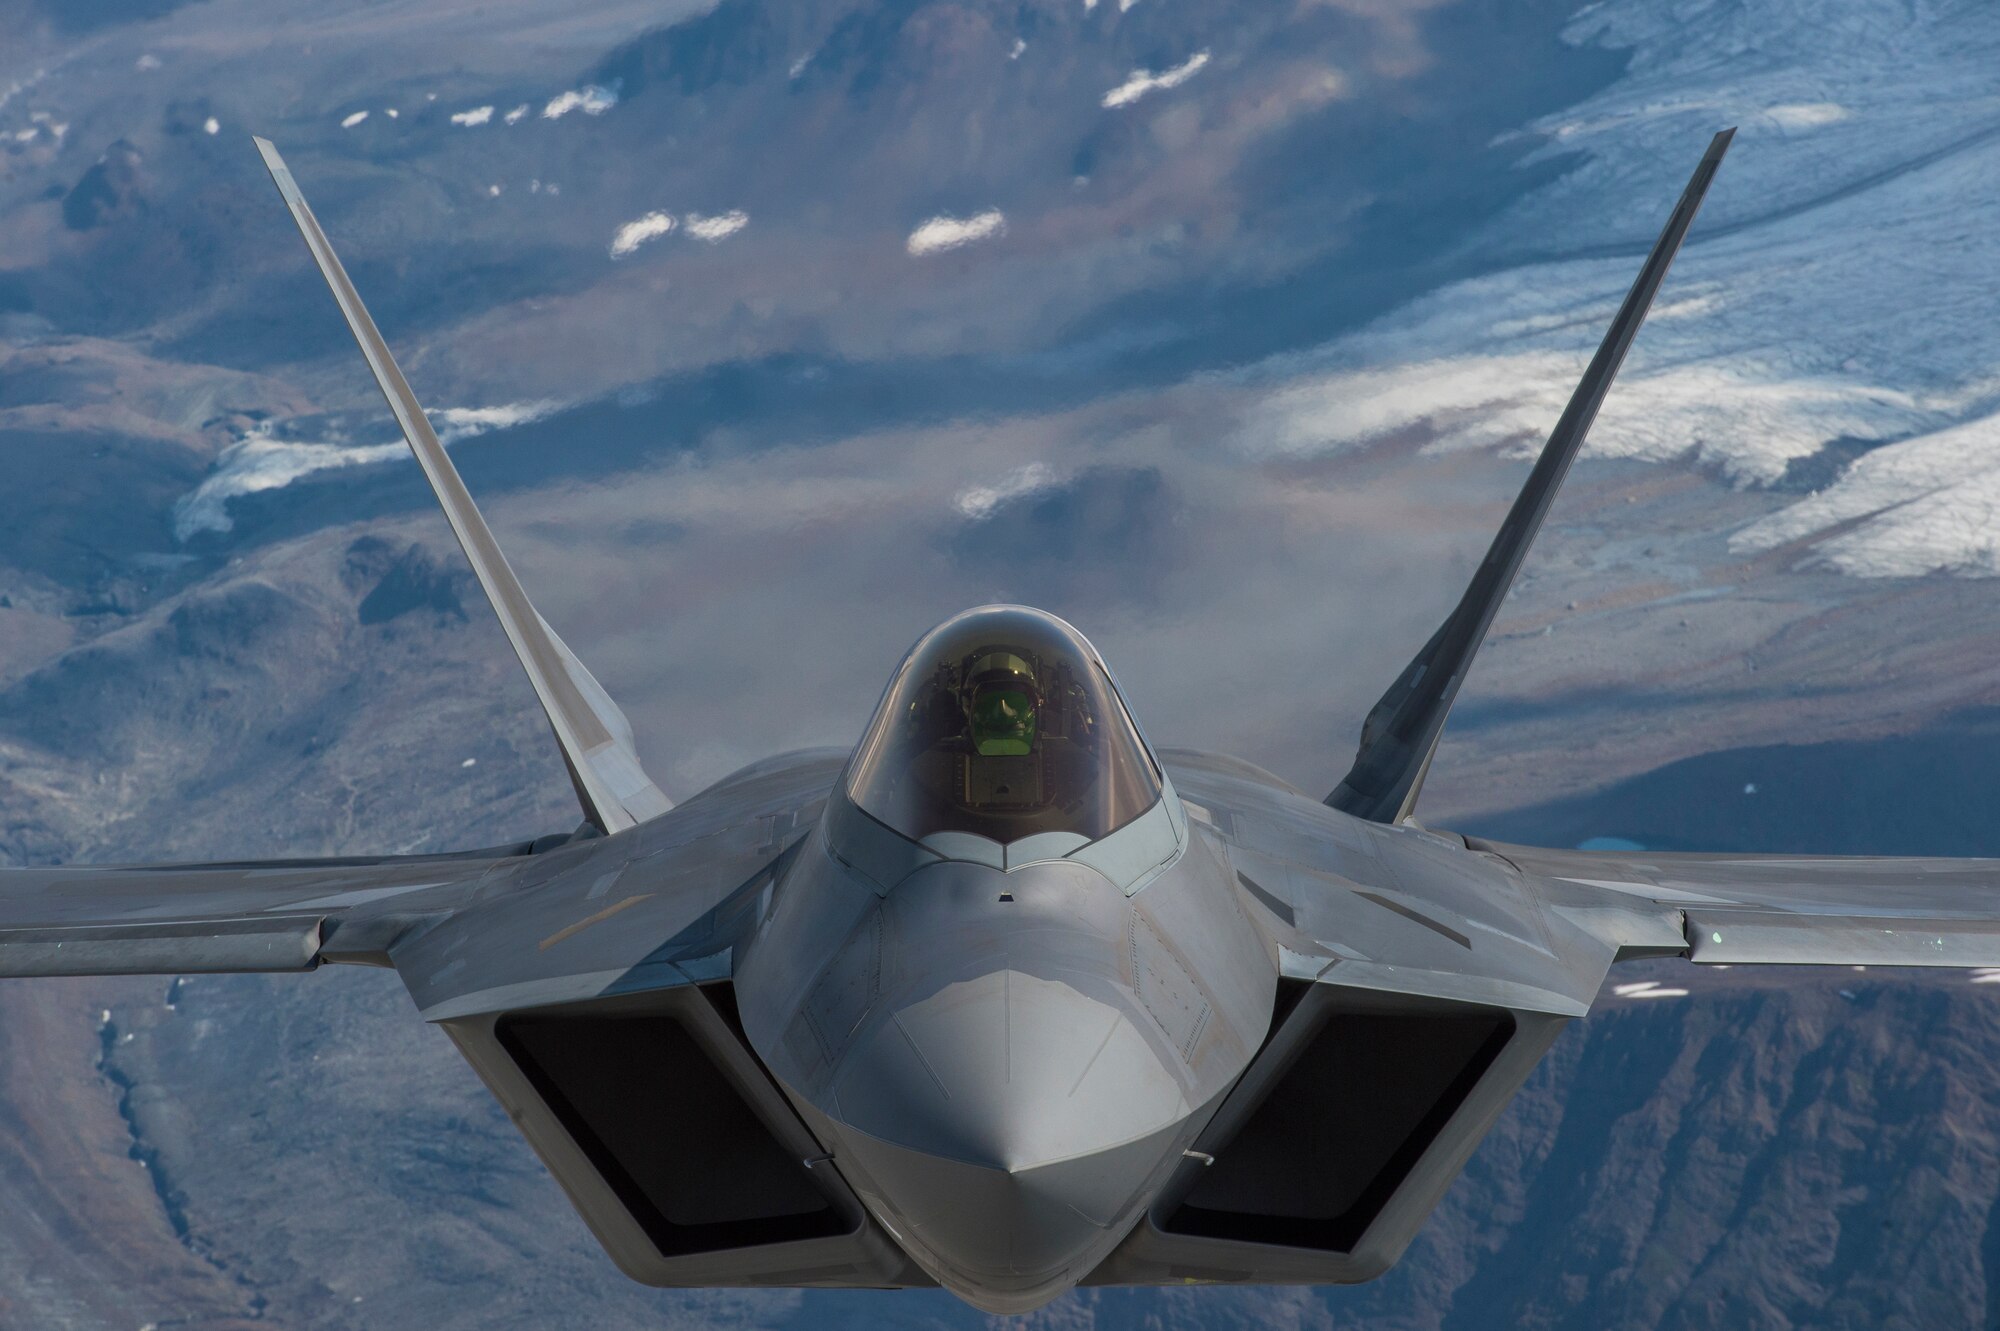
1005,999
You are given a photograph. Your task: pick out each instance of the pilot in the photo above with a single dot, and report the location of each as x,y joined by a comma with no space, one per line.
1002,703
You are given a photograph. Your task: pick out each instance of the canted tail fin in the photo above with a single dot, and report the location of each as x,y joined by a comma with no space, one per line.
595,737
1400,736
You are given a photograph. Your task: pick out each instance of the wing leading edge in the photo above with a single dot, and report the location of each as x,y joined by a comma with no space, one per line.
595,738
521,919
209,918
1401,732
1798,909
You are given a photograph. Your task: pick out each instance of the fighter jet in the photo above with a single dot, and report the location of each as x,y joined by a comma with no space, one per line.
1005,999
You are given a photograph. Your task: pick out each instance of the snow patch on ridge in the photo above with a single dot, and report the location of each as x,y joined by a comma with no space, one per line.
1925,505
591,99
1838,287
1806,115
979,501
1143,81
943,232
640,230
260,461
1744,420
721,226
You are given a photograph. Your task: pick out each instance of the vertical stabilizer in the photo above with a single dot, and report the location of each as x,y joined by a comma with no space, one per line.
1401,733
595,737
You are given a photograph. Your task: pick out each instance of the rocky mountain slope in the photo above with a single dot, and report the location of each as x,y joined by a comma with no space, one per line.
769,333
1728,1148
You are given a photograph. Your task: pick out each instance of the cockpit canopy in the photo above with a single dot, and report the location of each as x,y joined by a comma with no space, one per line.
1002,723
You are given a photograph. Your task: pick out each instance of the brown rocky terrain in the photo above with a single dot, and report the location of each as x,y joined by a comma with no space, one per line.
742,473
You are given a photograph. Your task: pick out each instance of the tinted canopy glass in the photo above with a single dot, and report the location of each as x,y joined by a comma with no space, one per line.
1003,724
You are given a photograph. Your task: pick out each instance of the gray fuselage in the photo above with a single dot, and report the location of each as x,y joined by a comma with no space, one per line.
1007,1065
989,993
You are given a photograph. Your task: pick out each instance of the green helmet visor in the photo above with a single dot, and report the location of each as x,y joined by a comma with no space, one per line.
1003,722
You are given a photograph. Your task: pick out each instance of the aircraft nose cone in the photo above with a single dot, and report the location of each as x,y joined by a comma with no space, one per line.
1011,1127
1009,1071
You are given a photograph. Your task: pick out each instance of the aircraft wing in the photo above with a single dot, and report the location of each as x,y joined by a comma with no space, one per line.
665,908
195,918
1391,909
1800,909
458,923
1432,977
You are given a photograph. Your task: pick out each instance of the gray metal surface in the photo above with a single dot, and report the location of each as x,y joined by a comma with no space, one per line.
137,920
1816,910
1392,908
665,904
1036,1039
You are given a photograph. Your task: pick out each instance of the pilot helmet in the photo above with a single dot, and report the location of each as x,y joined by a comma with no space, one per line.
1002,703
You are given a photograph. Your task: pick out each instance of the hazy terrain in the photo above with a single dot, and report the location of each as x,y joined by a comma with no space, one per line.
769,333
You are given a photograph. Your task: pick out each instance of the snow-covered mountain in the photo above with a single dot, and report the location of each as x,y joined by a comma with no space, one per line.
1836,303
